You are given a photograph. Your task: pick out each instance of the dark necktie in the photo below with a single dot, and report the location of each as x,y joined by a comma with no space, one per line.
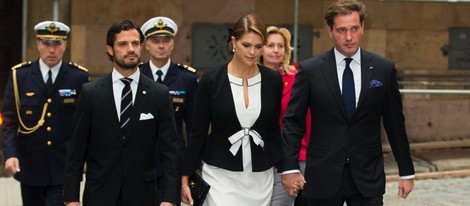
49,80
349,94
159,74
126,105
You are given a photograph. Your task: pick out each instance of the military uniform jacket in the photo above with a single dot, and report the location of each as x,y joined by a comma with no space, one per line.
182,84
41,153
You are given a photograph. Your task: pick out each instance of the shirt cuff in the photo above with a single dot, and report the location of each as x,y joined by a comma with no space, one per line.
290,172
407,177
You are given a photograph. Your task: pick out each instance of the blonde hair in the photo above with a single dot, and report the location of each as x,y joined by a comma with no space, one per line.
285,64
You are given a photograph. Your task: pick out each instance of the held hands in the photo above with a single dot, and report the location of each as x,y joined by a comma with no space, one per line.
12,165
293,183
405,186
185,191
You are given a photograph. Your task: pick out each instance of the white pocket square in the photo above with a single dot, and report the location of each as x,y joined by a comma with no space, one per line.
144,116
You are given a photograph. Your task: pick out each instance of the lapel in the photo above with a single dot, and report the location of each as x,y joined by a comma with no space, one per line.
37,77
106,94
224,91
287,82
366,77
170,75
330,72
145,69
139,103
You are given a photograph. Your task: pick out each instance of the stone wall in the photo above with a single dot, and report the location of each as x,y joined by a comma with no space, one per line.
410,33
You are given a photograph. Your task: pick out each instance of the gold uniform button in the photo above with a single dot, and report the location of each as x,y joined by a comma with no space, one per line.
49,143
49,114
49,129
49,100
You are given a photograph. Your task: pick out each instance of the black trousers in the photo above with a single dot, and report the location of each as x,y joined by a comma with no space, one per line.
347,193
42,195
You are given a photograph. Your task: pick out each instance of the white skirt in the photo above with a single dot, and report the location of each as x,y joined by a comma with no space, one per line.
237,188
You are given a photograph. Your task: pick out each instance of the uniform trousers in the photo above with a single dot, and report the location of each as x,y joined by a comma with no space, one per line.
42,195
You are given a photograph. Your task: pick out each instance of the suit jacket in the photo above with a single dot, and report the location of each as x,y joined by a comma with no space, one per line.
183,86
334,138
288,81
214,106
42,153
116,166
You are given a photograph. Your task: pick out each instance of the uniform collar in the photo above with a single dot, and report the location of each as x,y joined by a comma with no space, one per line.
45,69
164,69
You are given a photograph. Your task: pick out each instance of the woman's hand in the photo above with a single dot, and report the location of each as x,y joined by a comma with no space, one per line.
185,191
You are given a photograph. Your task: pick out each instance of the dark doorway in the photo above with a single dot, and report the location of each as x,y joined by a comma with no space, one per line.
10,38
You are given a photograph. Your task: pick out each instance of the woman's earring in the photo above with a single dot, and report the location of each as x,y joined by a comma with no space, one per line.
233,48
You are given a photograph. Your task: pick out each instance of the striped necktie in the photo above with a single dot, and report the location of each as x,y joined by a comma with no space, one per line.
126,105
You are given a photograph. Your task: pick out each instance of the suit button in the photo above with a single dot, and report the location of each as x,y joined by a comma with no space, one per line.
49,143
49,114
49,100
49,129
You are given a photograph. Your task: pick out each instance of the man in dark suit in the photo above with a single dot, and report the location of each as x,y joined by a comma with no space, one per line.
349,92
122,120
159,35
39,103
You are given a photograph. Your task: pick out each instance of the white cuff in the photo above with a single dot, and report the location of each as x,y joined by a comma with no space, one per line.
290,172
407,177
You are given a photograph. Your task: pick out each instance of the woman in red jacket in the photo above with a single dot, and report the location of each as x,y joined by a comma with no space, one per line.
276,56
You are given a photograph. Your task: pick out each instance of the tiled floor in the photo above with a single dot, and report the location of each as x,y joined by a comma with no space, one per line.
9,192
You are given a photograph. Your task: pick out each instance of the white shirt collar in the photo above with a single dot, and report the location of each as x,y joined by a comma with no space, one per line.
164,69
116,76
45,69
340,57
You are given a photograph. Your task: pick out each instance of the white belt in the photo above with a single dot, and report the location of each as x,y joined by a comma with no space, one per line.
235,139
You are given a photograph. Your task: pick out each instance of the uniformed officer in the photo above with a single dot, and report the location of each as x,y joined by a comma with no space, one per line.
39,103
180,79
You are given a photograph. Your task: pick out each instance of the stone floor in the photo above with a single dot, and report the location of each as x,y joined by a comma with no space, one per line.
441,191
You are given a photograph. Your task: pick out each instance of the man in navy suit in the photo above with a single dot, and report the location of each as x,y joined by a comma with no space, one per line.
350,92
122,121
39,103
159,34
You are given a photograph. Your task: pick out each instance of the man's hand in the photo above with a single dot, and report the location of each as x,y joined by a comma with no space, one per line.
292,183
12,165
166,204
72,204
405,186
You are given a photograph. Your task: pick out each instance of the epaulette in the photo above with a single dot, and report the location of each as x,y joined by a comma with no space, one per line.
21,65
188,68
78,66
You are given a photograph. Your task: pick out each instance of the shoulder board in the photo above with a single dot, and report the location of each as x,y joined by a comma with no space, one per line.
186,67
21,65
78,66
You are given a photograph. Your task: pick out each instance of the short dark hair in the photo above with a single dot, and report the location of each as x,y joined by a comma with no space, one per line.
116,28
247,23
343,7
